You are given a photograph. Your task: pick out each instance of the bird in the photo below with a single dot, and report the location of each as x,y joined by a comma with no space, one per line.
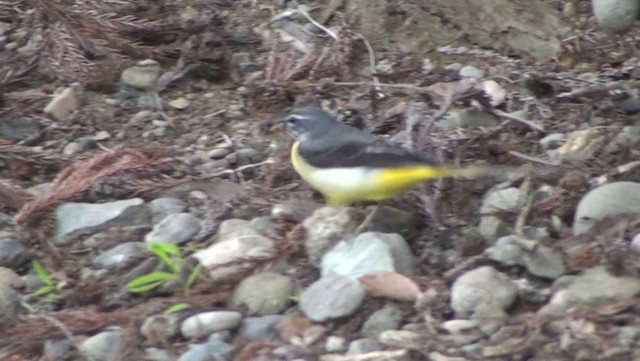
347,165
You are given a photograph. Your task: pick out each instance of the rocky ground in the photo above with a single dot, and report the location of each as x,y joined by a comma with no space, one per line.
148,210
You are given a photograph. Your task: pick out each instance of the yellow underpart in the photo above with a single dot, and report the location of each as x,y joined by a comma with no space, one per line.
347,185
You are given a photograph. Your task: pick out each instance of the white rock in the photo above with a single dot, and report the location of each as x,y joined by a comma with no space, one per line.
65,103
608,200
206,323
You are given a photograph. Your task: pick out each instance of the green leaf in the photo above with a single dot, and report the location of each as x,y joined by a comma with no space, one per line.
42,273
166,248
177,308
163,251
193,276
44,290
149,281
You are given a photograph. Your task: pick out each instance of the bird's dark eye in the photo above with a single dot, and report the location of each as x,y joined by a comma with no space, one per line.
292,119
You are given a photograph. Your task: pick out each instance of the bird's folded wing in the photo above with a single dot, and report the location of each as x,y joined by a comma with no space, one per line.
358,153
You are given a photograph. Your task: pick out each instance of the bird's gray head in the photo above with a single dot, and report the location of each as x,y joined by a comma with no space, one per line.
311,122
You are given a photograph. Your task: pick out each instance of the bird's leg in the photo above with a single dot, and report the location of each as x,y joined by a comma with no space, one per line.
367,220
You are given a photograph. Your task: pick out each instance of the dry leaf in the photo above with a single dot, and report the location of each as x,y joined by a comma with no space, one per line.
390,285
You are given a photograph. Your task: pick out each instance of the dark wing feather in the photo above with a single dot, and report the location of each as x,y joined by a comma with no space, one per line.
358,153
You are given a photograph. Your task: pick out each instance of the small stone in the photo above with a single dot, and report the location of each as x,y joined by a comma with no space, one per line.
509,200
295,210
630,106
482,286
552,141
607,200
162,207
143,75
469,71
103,346
540,260
335,344
586,289
120,256
369,253
64,104
459,326
220,256
386,318
327,226
13,253
176,228
206,323
264,293
218,153
615,16
332,296
8,307
10,278
19,129
257,328
179,103
160,328
212,350
364,345
74,217
148,101
61,349
71,149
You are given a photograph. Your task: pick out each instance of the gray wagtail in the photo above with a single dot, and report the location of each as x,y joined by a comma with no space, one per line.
347,165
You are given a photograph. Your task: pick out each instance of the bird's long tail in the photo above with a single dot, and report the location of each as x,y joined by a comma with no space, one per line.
465,172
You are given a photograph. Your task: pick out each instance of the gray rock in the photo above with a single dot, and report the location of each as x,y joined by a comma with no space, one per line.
607,200
264,293
615,16
256,328
539,260
469,71
19,129
364,345
162,207
326,227
104,346
160,328
296,210
587,289
74,218
332,296
60,349
143,75
213,350
482,286
179,103
148,101
121,255
335,344
369,253
12,253
206,323
10,278
159,354
628,336
176,228
552,141
635,243
8,307
386,318
510,200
